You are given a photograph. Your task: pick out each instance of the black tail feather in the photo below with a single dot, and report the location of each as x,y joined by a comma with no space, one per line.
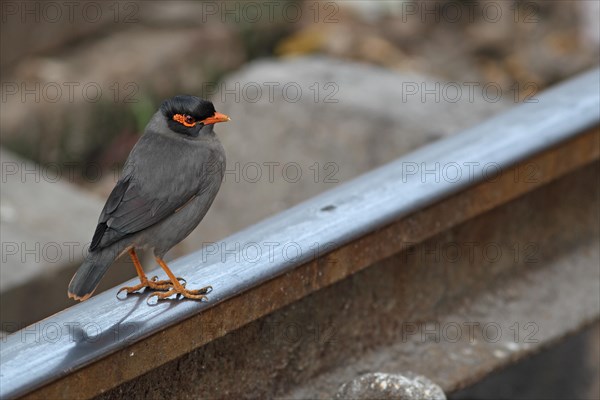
88,276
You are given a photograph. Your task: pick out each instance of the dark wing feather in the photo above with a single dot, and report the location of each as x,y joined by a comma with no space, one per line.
98,234
113,201
129,209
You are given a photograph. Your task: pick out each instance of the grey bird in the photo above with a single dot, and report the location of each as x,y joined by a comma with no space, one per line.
168,183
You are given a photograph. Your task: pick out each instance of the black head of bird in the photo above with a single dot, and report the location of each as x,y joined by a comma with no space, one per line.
191,115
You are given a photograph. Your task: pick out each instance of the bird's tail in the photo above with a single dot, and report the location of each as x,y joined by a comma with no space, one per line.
88,276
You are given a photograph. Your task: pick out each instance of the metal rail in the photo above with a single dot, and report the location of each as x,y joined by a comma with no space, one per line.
307,247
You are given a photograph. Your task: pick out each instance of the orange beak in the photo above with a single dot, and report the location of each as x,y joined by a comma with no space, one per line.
218,117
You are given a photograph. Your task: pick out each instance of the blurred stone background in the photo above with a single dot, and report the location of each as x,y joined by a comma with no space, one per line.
318,93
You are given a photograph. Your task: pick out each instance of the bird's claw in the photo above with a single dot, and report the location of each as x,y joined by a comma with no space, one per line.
195,294
154,279
120,290
152,283
129,290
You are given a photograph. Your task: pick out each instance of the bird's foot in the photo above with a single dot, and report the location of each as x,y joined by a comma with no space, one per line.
152,283
180,290
164,284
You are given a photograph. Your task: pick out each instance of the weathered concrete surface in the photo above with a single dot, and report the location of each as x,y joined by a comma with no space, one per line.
406,312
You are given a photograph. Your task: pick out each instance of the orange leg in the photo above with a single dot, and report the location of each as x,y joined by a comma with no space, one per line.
152,283
178,288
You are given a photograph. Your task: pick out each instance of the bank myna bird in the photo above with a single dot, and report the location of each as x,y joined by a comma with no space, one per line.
169,182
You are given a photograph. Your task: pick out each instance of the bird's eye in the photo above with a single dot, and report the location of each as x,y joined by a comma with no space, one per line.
185,119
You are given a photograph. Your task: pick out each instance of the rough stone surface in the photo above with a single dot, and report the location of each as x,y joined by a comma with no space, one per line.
289,147
106,100
34,212
46,226
39,26
407,386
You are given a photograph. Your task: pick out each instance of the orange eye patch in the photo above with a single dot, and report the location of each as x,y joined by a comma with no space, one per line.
184,119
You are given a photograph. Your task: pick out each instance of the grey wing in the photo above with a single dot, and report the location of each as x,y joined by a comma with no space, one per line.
130,209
